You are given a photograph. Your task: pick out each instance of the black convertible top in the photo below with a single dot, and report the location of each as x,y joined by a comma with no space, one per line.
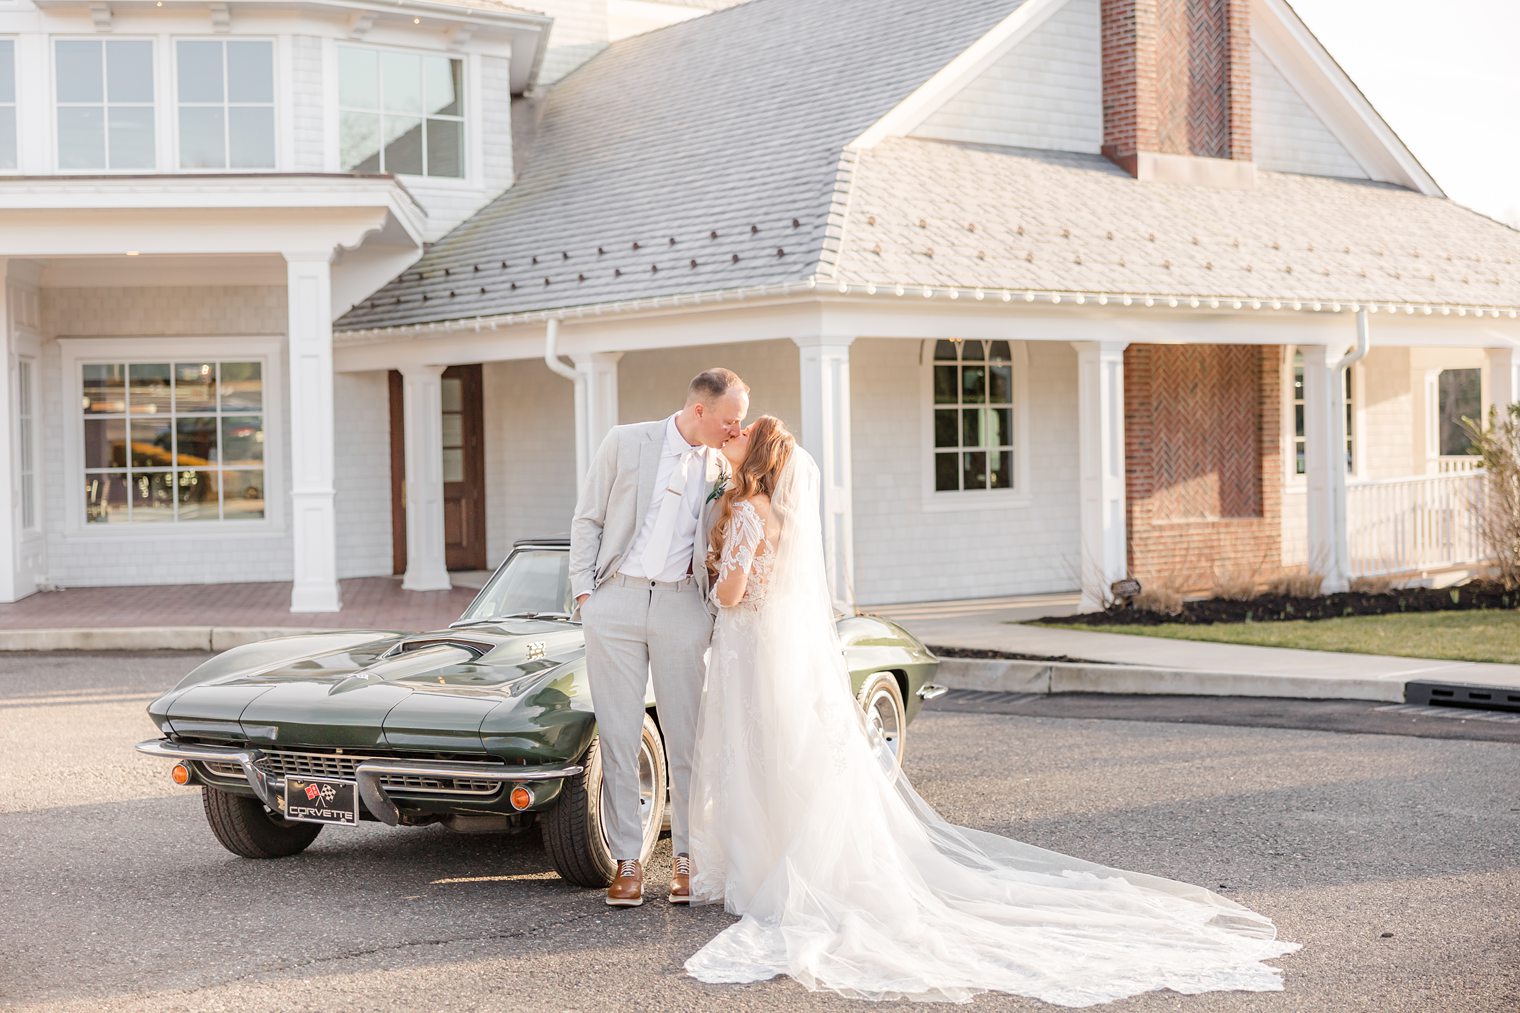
551,542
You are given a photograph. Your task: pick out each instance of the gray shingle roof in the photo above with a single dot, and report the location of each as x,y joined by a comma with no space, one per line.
722,133
709,157
928,213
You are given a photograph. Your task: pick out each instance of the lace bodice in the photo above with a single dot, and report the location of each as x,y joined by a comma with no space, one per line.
745,548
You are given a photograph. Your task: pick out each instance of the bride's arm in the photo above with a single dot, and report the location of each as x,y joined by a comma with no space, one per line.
741,540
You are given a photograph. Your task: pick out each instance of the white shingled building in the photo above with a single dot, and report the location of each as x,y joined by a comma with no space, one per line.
1056,291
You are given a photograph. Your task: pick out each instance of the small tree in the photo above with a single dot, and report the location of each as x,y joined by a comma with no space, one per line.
1499,508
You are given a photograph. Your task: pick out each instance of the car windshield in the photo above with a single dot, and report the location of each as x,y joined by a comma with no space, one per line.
531,580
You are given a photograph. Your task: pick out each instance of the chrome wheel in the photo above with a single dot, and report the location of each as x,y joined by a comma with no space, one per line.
886,716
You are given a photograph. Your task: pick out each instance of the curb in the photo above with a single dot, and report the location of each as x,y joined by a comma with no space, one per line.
1043,677
151,638
992,674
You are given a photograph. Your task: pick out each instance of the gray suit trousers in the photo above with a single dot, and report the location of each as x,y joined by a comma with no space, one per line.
635,634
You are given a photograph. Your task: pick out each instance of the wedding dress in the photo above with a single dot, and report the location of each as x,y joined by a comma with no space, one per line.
845,879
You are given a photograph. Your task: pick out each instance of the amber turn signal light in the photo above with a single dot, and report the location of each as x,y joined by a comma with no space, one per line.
180,774
521,797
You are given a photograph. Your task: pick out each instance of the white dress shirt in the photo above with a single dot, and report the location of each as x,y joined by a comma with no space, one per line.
683,541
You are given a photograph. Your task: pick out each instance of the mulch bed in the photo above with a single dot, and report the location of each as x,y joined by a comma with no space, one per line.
1277,608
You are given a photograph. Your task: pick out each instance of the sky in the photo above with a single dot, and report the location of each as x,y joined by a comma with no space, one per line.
1446,77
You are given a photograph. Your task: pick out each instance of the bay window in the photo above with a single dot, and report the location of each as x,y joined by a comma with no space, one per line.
400,112
225,95
104,90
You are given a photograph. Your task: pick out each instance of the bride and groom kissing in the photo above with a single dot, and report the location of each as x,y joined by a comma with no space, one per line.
697,562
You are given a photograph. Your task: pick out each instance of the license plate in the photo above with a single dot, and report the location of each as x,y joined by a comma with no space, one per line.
322,800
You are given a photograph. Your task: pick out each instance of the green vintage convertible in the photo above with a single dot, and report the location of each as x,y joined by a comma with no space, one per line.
484,726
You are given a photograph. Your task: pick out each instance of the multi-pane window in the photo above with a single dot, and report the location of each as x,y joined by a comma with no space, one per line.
225,91
173,441
25,435
7,103
104,89
1299,441
400,112
973,416
1459,396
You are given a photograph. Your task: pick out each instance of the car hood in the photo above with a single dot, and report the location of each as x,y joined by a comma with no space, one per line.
428,691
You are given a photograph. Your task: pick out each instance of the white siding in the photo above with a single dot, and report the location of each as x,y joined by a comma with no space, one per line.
579,33
362,473
177,556
529,418
1047,92
652,385
904,552
306,114
1286,135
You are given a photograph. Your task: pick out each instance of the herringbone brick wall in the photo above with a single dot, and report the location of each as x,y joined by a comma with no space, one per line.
1177,78
1201,449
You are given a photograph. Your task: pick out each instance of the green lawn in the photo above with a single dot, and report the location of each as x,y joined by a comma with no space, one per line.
1472,635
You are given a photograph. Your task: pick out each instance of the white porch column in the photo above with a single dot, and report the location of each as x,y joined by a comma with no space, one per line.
422,434
1100,439
313,524
825,364
1325,466
1503,379
10,449
596,404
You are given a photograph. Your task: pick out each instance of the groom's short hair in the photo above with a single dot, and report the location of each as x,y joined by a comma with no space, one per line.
711,384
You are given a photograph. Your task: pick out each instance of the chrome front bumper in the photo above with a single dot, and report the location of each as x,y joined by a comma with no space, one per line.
271,788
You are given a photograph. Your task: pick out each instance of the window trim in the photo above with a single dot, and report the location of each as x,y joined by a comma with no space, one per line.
943,501
15,104
276,101
1291,478
470,122
77,352
156,76
30,394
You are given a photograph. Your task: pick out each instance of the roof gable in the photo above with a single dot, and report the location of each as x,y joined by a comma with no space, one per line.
702,156
1044,91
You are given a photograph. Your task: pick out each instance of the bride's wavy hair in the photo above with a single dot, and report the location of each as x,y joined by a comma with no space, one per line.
770,447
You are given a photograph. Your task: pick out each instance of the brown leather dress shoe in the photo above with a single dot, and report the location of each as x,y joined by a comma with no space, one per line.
627,889
680,880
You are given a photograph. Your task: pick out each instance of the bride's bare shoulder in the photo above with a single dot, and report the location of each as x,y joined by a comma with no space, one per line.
762,505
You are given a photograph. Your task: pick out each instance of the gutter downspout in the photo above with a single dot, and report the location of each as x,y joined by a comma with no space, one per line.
1338,577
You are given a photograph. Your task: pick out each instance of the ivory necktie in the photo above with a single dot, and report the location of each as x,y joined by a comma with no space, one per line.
657,552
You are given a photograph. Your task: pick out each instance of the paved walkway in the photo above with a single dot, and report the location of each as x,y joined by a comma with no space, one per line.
218,616
1165,665
368,603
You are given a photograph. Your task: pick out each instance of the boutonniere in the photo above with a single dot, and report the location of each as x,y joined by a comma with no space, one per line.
719,487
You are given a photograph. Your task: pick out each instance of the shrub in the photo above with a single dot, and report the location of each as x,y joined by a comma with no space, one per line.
1499,507
1373,585
1298,582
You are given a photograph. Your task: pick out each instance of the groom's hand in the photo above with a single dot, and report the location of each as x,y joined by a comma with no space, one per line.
581,599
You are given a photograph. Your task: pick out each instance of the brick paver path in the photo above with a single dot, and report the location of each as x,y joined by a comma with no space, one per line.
368,603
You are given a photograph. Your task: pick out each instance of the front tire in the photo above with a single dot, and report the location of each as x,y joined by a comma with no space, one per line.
881,699
574,830
246,827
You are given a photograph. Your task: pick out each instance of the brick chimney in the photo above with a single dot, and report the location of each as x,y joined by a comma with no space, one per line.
1177,89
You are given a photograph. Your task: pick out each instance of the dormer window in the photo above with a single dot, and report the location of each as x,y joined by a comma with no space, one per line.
105,103
400,112
225,92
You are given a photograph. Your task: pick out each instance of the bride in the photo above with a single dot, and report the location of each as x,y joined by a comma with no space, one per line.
844,878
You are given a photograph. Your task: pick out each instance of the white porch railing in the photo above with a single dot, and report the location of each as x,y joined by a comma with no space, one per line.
1420,523
1458,464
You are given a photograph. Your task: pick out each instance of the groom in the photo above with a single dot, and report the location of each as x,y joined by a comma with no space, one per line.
638,551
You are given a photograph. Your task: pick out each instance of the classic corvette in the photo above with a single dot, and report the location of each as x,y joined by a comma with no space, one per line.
484,726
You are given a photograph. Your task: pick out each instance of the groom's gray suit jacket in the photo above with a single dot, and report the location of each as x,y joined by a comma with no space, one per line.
618,490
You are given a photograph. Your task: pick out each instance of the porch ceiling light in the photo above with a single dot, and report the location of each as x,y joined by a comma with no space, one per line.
132,253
